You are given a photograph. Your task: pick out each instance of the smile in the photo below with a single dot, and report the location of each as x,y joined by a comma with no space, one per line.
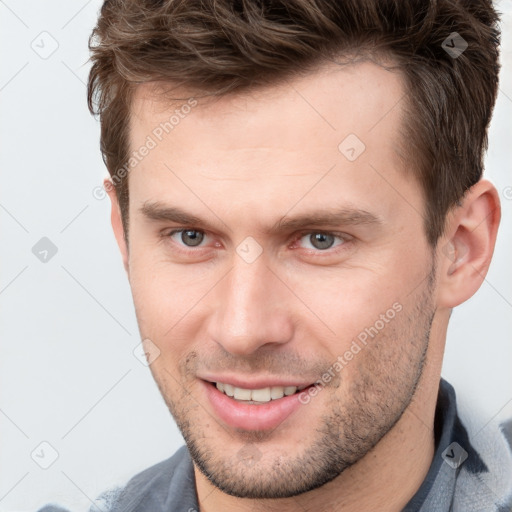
257,396
257,408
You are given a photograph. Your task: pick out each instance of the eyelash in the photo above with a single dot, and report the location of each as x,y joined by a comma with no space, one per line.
346,239
330,250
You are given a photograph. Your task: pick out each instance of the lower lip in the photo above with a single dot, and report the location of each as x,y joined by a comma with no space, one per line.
244,416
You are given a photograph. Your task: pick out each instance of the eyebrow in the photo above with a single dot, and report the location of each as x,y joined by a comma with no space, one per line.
317,218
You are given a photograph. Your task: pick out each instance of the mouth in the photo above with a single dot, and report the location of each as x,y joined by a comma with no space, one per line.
254,409
257,396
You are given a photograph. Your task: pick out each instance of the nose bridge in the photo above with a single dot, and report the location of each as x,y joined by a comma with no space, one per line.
252,309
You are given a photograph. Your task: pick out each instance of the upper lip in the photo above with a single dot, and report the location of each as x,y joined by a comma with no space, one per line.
256,382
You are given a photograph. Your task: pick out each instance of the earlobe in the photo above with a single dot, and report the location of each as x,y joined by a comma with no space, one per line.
117,223
466,249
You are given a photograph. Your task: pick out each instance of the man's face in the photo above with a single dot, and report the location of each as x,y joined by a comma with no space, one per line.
244,296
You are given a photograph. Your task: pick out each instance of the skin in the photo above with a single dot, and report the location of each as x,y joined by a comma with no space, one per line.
242,163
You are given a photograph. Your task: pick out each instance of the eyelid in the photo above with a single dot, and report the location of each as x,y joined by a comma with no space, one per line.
345,237
339,234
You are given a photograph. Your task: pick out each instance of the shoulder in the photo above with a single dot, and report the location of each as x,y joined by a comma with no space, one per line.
506,428
471,470
153,488
493,482
167,486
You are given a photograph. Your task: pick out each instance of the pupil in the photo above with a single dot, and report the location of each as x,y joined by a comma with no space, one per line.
191,237
321,240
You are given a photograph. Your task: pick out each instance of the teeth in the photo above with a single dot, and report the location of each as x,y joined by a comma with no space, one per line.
242,394
276,392
260,395
256,395
229,389
289,390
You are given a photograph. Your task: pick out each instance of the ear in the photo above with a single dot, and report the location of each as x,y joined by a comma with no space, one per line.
465,250
117,223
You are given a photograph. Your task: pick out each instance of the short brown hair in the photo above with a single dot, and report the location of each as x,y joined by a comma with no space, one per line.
223,46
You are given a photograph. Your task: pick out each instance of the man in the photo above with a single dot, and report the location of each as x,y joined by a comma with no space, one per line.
298,199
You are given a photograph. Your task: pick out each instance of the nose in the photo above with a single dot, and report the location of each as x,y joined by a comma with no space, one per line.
254,309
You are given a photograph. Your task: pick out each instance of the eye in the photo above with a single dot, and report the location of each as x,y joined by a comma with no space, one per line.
321,241
187,237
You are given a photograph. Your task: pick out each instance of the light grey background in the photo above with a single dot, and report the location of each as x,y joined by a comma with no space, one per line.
68,375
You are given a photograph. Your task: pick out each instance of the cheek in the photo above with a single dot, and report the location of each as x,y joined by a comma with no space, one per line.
346,300
161,289
171,305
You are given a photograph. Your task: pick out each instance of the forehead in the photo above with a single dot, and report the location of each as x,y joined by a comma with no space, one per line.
343,96
347,118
